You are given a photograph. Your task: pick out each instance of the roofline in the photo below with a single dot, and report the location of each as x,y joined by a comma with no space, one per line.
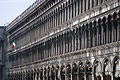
24,14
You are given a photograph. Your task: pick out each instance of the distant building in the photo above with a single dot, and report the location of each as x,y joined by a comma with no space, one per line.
65,40
2,52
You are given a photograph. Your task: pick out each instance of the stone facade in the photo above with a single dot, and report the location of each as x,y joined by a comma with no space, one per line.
2,52
65,40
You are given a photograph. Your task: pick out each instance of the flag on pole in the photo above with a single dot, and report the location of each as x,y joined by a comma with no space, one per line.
14,44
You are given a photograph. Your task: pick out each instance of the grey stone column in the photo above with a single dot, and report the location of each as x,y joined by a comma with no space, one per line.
92,76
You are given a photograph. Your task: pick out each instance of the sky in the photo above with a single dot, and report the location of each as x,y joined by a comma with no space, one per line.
10,9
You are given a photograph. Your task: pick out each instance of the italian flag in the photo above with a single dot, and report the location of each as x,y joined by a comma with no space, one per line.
14,44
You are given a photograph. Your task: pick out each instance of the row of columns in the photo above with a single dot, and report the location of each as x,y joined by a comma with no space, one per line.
101,32
65,12
80,71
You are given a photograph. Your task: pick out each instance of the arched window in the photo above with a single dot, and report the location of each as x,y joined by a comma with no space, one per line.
83,36
94,33
88,70
41,74
48,73
68,72
74,71
115,27
81,71
106,70
57,71
97,70
109,28
104,30
62,72
86,36
116,68
90,34
99,32
53,73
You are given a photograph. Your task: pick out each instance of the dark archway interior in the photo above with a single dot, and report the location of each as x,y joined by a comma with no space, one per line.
117,78
74,71
108,77
62,73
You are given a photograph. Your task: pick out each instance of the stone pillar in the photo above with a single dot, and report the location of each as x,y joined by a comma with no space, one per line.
25,75
93,76
35,76
101,75
111,74
71,73
65,73
85,76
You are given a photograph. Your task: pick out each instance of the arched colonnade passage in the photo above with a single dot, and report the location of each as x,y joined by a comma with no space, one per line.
82,70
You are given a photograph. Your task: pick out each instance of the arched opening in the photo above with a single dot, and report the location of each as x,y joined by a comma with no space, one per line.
53,72
45,72
94,33
106,70
91,34
99,32
62,72
83,36
57,73
88,70
34,74
114,16
48,73
19,75
81,71
41,74
15,75
109,28
115,27
68,72
74,72
116,69
97,70
104,27
86,36
30,75
38,74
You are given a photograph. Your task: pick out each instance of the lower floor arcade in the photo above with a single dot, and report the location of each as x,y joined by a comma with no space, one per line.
89,65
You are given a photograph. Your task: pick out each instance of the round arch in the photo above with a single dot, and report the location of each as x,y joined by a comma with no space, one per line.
88,70
41,74
97,68
106,68
53,73
68,71
116,69
74,71
81,70
62,72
